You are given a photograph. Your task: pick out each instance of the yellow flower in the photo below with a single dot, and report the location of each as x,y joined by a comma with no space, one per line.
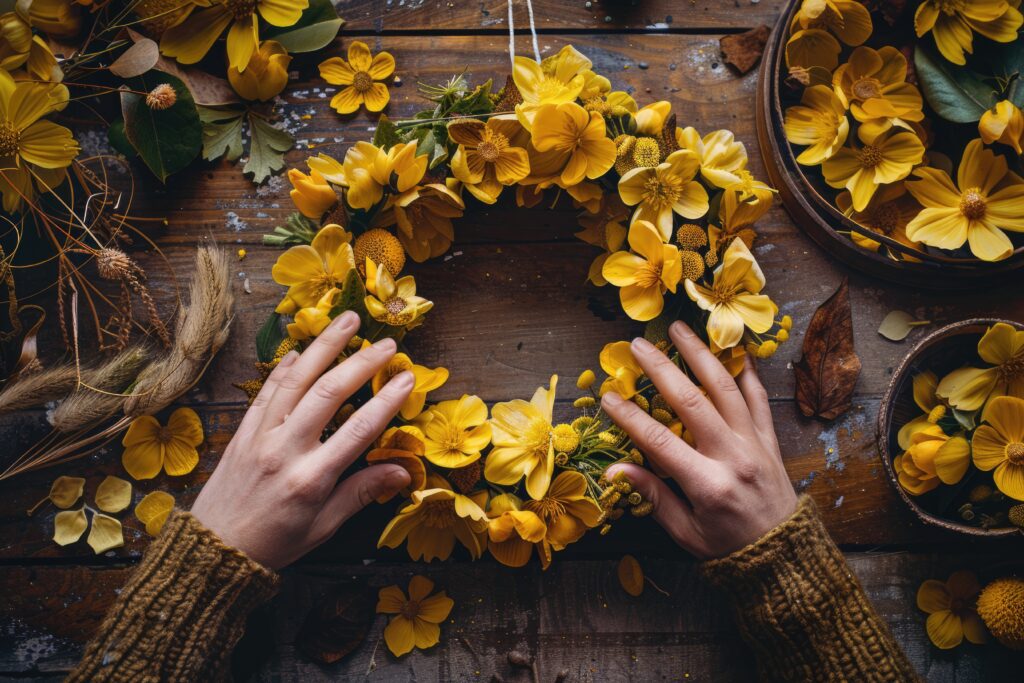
604,229
56,18
873,85
189,41
670,187
512,531
311,194
402,446
814,25
33,152
455,431
330,168
424,215
953,24
426,380
819,122
734,298
999,444
969,388
882,160
361,75
1001,607
434,518
985,201
556,80
951,610
416,619
651,119
1002,123
393,302
738,212
265,76
925,384
368,170
623,371
566,511
486,159
521,433
310,322
812,48
933,457
571,130
644,276
721,156
311,270
888,213
150,446
15,41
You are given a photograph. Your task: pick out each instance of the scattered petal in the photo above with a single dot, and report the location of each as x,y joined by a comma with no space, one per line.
69,526
153,511
66,491
631,576
113,494
897,325
105,534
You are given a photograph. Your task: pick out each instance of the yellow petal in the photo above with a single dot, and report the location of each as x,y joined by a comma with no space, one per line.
390,600
399,635
113,494
1009,479
952,459
143,460
189,41
142,429
68,526
420,587
243,40
377,97
65,491
359,56
153,511
382,66
436,608
631,576
427,634
347,100
945,629
105,534
336,71
186,426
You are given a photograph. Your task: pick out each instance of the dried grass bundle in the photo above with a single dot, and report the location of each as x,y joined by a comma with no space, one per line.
31,390
101,396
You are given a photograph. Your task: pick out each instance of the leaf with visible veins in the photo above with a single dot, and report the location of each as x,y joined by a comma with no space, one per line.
828,371
338,625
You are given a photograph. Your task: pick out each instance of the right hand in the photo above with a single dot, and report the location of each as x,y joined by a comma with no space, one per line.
275,494
735,484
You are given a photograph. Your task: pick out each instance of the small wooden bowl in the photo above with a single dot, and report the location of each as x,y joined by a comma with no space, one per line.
941,351
823,222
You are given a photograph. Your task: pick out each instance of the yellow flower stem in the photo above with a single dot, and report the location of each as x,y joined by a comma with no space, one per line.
32,510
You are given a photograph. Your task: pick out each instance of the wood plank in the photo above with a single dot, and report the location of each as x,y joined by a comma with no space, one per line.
575,617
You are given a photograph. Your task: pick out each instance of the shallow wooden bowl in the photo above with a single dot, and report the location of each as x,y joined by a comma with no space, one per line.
823,222
941,351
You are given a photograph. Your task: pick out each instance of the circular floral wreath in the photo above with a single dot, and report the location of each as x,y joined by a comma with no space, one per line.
673,213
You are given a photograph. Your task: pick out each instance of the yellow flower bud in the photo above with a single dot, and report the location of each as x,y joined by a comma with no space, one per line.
767,349
783,335
241,254
265,76
786,323
585,380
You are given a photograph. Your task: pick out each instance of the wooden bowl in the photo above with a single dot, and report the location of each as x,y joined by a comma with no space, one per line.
941,351
823,222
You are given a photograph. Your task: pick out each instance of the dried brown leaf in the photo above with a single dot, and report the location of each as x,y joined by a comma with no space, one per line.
338,625
136,60
828,371
744,50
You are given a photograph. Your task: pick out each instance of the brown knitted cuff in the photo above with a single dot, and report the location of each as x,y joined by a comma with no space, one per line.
801,609
182,612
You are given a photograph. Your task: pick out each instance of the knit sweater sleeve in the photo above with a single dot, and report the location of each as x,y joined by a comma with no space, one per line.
182,612
801,609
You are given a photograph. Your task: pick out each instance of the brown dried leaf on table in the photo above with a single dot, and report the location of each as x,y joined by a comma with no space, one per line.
828,371
631,576
743,50
338,625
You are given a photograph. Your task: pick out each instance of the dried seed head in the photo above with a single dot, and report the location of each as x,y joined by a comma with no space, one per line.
161,97
114,264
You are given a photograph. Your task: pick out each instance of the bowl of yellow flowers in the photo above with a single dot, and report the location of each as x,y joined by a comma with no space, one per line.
951,428
895,140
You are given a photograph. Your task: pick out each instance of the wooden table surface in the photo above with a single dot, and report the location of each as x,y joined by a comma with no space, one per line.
520,310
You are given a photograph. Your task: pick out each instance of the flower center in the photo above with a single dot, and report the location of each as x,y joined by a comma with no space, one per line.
362,81
538,438
9,139
439,514
1011,369
396,308
885,218
949,7
649,275
866,88
548,509
164,435
724,295
549,87
661,191
1015,452
452,442
869,156
410,609
396,367
972,204
240,9
491,146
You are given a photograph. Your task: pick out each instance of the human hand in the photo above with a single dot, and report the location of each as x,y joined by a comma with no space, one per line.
276,494
735,485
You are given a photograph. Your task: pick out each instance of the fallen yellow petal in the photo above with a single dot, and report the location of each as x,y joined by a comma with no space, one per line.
105,534
66,490
113,494
69,526
153,511
631,576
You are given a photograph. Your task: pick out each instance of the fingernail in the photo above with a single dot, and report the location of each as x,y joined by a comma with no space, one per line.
288,359
395,480
641,345
611,399
403,380
385,344
681,329
346,319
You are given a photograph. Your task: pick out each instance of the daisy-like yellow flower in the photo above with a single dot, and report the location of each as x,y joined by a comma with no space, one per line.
434,518
361,76
722,157
888,213
1003,123
604,228
954,23
521,434
426,380
416,619
512,531
998,444
738,212
34,153
985,201
310,322
571,130
814,25
623,371
311,194
951,609
934,409
265,76
455,431
150,446
567,512
819,122
189,41
734,299
557,80
486,159
968,388
311,270
368,170
403,446
645,275
879,161
873,85
393,302
660,191
424,215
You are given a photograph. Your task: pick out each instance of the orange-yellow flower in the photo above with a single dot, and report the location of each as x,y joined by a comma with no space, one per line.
819,122
953,24
669,188
311,270
150,446
968,388
368,170
361,77
571,130
402,446
416,619
310,322
566,511
644,276
393,302
455,432
426,380
512,531
265,76
722,157
434,518
951,609
1003,123
932,458
556,80
998,444
311,194
424,215
861,170
934,409
814,25
623,371
873,85
888,213
521,433
486,159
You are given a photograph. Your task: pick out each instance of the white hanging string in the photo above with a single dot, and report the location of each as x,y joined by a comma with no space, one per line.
512,33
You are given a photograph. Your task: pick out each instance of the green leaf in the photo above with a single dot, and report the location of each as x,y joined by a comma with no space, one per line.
955,93
269,337
387,134
167,139
297,230
222,133
115,134
316,28
353,296
266,148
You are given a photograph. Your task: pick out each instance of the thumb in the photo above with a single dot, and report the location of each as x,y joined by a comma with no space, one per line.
379,482
670,511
